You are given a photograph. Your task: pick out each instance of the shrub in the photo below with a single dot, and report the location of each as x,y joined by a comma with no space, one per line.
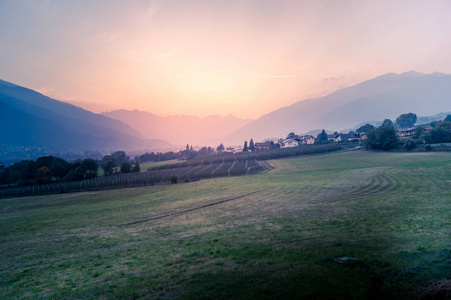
409,145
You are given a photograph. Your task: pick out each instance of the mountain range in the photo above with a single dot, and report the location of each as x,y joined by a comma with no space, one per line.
383,97
28,118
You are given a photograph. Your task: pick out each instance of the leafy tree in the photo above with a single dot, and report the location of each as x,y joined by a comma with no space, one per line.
44,161
387,122
434,123
409,145
137,167
365,128
382,138
448,118
251,145
442,133
42,175
2,166
321,138
119,157
107,164
187,147
203,150
421,135
77,173
126,167
60,168
15,176
245,149
291,135
90,168
220,148
406,120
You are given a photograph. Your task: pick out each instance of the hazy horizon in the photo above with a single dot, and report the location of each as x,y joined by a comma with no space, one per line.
203,58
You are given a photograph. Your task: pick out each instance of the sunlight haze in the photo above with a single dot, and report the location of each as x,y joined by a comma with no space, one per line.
245,58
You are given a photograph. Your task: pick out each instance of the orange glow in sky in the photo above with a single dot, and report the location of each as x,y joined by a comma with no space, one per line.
244,58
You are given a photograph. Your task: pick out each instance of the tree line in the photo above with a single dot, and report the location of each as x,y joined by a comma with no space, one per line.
47,169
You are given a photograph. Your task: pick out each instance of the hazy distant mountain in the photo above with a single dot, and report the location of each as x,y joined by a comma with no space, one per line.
386,96
28,118
180,130
436,117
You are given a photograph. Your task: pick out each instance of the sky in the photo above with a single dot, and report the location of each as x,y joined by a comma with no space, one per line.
245,58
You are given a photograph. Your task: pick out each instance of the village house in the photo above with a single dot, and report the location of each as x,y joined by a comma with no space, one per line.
331,137
406,132
342,137
307,140
263,146
289,143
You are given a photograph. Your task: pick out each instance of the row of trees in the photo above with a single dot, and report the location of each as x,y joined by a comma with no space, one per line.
46,169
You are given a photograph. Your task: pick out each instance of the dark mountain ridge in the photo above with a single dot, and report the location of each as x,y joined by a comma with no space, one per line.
28,118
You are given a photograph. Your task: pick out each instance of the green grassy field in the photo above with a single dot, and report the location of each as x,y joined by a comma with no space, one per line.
273,235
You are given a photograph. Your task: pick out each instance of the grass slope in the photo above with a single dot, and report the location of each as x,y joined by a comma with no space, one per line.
273,235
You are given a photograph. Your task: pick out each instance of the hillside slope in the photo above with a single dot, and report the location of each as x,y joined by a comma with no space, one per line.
386,96
28,118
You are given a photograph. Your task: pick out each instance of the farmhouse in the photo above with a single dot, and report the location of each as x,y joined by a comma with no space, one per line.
331,137
288,143
342,137
263,146
406,132
306,140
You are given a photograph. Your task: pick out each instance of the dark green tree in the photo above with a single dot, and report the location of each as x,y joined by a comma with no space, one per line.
220,148
120,157
382,138
42,175
406,120
448,118
409,145
291,135
60,168
137,167
203,150
126,167
251,145
365,128
387,122
321,138
245,149
90,168
107,164
442,133
77,173
15,176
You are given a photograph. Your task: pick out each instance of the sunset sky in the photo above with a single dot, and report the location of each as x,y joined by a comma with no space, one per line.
244,58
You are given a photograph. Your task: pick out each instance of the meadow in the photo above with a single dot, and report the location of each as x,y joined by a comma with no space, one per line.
344,225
